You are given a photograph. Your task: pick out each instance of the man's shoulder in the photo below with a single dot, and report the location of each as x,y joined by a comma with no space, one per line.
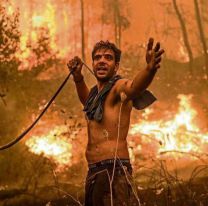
117,89
121,84
122,81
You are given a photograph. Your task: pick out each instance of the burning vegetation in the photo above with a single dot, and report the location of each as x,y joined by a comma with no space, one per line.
55,146
174,135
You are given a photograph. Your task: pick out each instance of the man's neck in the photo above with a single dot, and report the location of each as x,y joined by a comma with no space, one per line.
101,84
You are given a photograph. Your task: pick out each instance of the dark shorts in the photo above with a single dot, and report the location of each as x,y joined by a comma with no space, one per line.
97,187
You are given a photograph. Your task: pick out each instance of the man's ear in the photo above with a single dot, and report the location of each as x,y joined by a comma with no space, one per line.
116,66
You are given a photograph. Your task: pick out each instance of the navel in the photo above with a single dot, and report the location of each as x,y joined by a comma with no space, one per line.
96,148
105,134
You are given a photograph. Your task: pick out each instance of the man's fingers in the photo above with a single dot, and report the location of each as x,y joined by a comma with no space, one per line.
158,60
159,53
150,44
73,63
157,66
76,58
78,61
157,47
69,65
154,56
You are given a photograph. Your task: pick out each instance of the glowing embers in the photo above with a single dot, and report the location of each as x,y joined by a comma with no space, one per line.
56,146
174,137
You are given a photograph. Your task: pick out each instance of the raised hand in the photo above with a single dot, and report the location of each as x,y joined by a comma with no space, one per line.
75,66
153,56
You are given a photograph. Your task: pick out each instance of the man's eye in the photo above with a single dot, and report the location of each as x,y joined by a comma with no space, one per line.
109,57
97,57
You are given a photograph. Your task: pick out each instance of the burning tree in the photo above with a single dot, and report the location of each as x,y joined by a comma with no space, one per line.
9,44
41,55
20,84
185,35
117,16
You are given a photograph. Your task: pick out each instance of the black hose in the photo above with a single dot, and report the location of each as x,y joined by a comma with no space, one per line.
16,140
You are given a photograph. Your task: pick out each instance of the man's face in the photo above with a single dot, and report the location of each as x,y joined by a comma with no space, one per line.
104,65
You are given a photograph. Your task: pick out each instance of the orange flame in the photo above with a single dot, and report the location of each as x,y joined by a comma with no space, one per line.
179,134
30,25
54,146
157,137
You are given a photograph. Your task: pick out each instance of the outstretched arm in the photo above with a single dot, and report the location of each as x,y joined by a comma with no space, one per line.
75,65
143,79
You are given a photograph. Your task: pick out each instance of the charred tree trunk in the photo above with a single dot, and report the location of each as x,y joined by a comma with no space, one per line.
201,33
82,30
204,10
185,36
114,14
117,23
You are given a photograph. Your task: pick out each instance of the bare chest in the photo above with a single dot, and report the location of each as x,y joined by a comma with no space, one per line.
116,115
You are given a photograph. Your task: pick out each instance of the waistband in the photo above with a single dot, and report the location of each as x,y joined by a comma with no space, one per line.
110,162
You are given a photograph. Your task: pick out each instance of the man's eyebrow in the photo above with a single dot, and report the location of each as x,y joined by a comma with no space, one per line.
97,55
108,54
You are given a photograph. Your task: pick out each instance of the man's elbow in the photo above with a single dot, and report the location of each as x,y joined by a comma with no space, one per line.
136,90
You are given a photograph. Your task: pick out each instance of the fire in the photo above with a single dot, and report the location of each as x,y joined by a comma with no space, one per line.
55,146
31,23
46,19
179,134
10,10
37,21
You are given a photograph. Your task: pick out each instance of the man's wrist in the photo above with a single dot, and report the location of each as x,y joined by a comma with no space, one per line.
78,79
151,69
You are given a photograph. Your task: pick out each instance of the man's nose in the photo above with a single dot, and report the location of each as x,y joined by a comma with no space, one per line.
102,59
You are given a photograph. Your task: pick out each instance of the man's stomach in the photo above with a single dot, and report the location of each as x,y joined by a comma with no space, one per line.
106,150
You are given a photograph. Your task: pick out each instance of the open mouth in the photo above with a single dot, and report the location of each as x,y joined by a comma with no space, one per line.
101,70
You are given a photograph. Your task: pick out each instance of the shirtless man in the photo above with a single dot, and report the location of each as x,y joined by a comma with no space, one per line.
108,107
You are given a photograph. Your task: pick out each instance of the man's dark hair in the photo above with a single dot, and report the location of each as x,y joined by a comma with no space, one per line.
107,45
